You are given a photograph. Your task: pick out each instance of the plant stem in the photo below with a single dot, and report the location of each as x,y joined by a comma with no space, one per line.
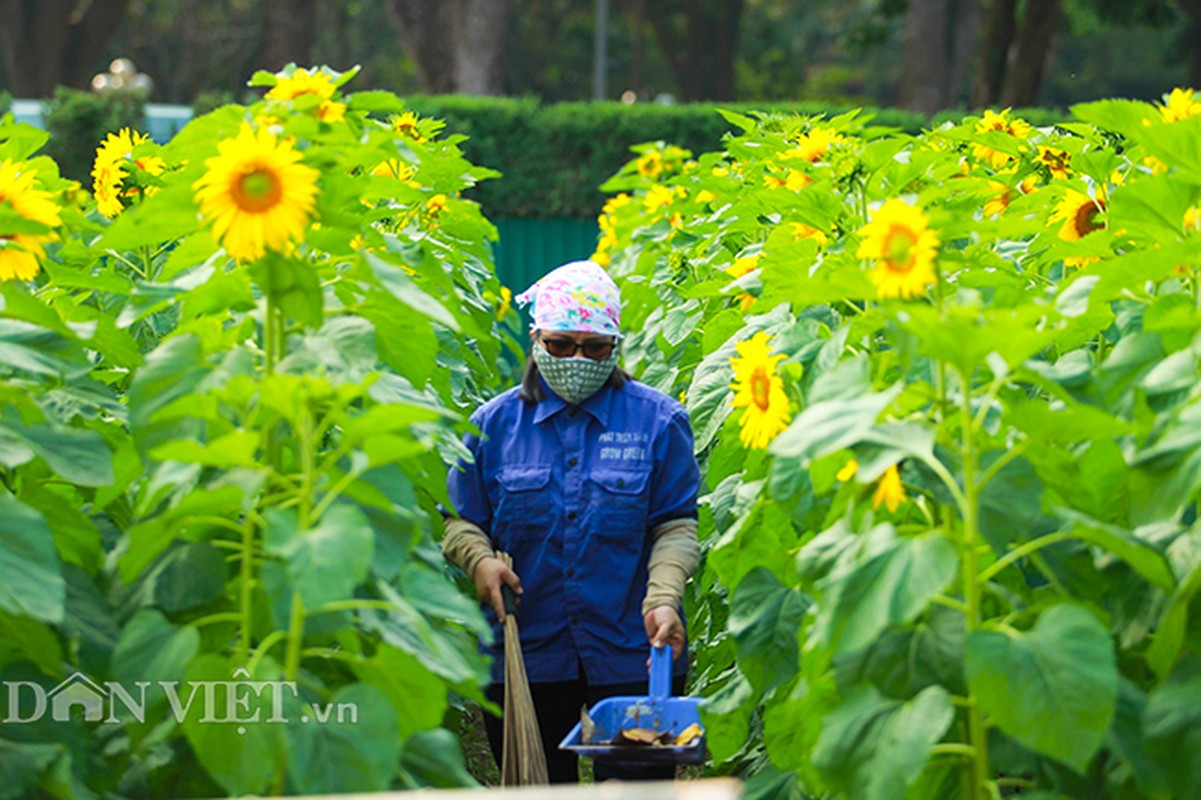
295,639
246,592
271,351
352,605
1021,552
977,737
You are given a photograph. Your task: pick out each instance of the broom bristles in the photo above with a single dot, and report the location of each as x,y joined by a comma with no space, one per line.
523,756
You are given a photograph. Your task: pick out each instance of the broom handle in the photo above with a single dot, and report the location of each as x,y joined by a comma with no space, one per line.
509,598
660,672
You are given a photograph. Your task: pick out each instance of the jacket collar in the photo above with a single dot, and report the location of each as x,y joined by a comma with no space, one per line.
597,405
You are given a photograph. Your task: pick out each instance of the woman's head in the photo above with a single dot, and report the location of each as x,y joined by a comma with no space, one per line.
579,297
577,315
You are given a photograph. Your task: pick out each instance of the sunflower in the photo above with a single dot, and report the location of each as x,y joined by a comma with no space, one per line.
436,205
995,206
657,197
114,157
740,267
889,491
760,391
848,471
812,146
406,125
19,252
257,193
802,231
1056,161
903,247
506,302
316,83
650,164
1192,220
1079,215
992,121
1181,104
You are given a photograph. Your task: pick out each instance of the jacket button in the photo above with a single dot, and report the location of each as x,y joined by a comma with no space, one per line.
621,483
571,572
572,462
571,515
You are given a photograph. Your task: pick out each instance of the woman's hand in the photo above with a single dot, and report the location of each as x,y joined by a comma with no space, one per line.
663,626
489,574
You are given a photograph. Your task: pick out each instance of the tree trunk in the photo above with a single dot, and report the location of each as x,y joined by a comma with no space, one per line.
49,43
1031,54
479,36
925,70
1193,9
698,39
456,45
289,30
996,35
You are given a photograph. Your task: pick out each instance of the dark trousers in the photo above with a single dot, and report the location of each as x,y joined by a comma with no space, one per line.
558,708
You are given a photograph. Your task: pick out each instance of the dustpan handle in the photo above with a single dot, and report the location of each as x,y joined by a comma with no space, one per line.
660,686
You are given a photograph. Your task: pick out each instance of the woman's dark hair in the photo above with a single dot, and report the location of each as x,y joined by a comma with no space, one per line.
531,387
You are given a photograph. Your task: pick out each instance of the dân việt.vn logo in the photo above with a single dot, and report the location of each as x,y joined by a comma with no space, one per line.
240,701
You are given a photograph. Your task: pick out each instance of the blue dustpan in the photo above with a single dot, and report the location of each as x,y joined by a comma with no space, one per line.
658,712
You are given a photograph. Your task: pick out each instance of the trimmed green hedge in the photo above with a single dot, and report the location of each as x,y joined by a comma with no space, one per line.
555,156
79,120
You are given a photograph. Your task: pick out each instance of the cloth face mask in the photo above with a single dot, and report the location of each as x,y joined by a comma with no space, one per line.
574,379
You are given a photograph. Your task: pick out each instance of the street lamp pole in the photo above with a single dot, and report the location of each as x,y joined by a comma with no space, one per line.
600,54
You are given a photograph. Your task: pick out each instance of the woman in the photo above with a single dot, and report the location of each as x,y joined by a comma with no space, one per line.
588,480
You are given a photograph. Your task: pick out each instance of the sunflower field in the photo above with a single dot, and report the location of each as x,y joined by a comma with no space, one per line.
945,389
232,380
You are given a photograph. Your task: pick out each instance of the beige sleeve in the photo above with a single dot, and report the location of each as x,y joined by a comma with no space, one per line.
465,544
675,555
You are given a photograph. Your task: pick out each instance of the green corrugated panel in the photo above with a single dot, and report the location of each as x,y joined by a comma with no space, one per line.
529,248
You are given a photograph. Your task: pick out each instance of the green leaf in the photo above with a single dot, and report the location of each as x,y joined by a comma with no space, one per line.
417,695
394,280
79,456
725,717
1172,728
242,750
356,749
326,562
22,765
190,576
825,427
765,619
872,747
435,759
151,648
889,588
75,535
294,285
1142,557
234,449
22,637
150,538
1054,688
1173,624
31,580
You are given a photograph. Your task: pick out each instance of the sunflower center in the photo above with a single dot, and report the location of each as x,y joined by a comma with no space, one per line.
899,251
257,191
1086,217
761,388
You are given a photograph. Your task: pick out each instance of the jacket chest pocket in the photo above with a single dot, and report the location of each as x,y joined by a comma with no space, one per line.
619,502
524,504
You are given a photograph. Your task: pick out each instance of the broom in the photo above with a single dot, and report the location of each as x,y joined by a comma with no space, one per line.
523,756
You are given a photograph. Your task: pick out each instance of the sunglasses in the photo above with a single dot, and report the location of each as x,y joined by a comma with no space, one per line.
561,347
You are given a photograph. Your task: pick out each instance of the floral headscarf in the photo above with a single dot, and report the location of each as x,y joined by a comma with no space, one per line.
579,296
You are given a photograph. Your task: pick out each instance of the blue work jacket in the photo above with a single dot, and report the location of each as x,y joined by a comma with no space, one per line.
572,492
